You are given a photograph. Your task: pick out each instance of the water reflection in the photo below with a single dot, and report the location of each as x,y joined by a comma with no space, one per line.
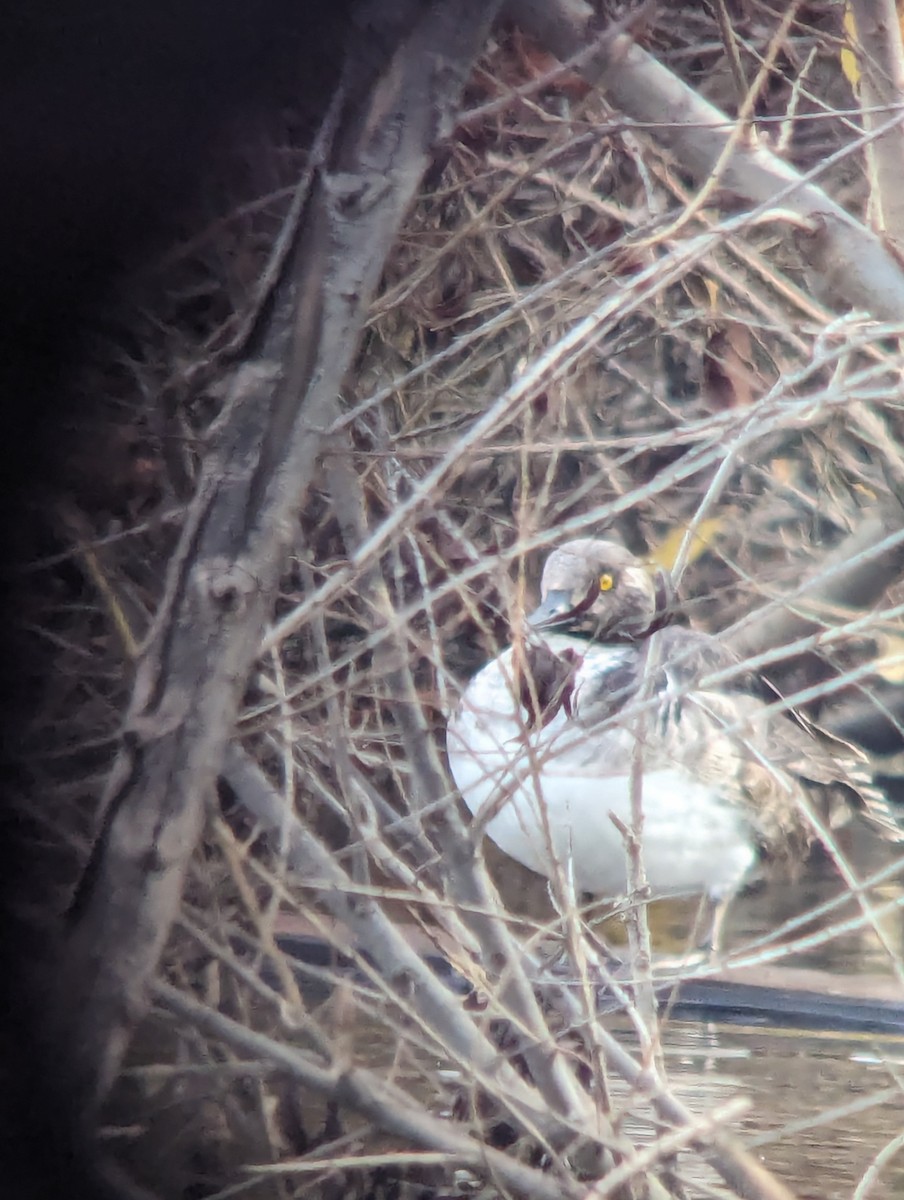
822,1105
821,1109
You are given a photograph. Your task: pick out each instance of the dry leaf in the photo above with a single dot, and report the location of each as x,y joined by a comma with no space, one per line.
848,58
730,379
667,551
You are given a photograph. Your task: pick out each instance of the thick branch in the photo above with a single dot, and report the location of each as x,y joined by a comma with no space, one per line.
853,576
881,95
398,960
399,963
400,92
852,263
388,1107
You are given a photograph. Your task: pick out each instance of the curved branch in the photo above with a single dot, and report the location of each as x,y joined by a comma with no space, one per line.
851,261
852,576
881,94
403,78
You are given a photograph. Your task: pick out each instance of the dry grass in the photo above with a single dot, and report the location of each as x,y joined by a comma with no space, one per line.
559,345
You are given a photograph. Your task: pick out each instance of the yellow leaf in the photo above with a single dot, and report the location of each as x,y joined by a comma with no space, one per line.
712,290
667,551
849,63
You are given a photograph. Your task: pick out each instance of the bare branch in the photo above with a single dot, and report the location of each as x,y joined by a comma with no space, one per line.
852,576
881,86
852,262
397,961
222,579
390,1108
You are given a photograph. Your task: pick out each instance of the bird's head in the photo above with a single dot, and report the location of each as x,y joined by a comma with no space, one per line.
595,588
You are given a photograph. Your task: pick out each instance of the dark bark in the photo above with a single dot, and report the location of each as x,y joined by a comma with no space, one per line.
400,89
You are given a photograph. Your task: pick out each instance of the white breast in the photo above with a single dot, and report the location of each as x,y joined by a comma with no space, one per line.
553,791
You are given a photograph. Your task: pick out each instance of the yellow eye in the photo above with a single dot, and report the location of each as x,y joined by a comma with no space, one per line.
607,583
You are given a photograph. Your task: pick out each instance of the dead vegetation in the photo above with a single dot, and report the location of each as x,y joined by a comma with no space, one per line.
573,331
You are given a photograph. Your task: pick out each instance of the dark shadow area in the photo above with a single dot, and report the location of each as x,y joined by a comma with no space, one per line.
110,117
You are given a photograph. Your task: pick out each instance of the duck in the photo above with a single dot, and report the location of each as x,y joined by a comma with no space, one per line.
605,699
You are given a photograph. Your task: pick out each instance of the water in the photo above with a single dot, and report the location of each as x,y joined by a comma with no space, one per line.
822,1105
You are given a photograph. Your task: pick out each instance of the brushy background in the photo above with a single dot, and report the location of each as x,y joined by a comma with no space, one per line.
717,391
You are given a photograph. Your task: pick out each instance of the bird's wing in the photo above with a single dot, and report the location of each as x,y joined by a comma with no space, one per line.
824,758
591,711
